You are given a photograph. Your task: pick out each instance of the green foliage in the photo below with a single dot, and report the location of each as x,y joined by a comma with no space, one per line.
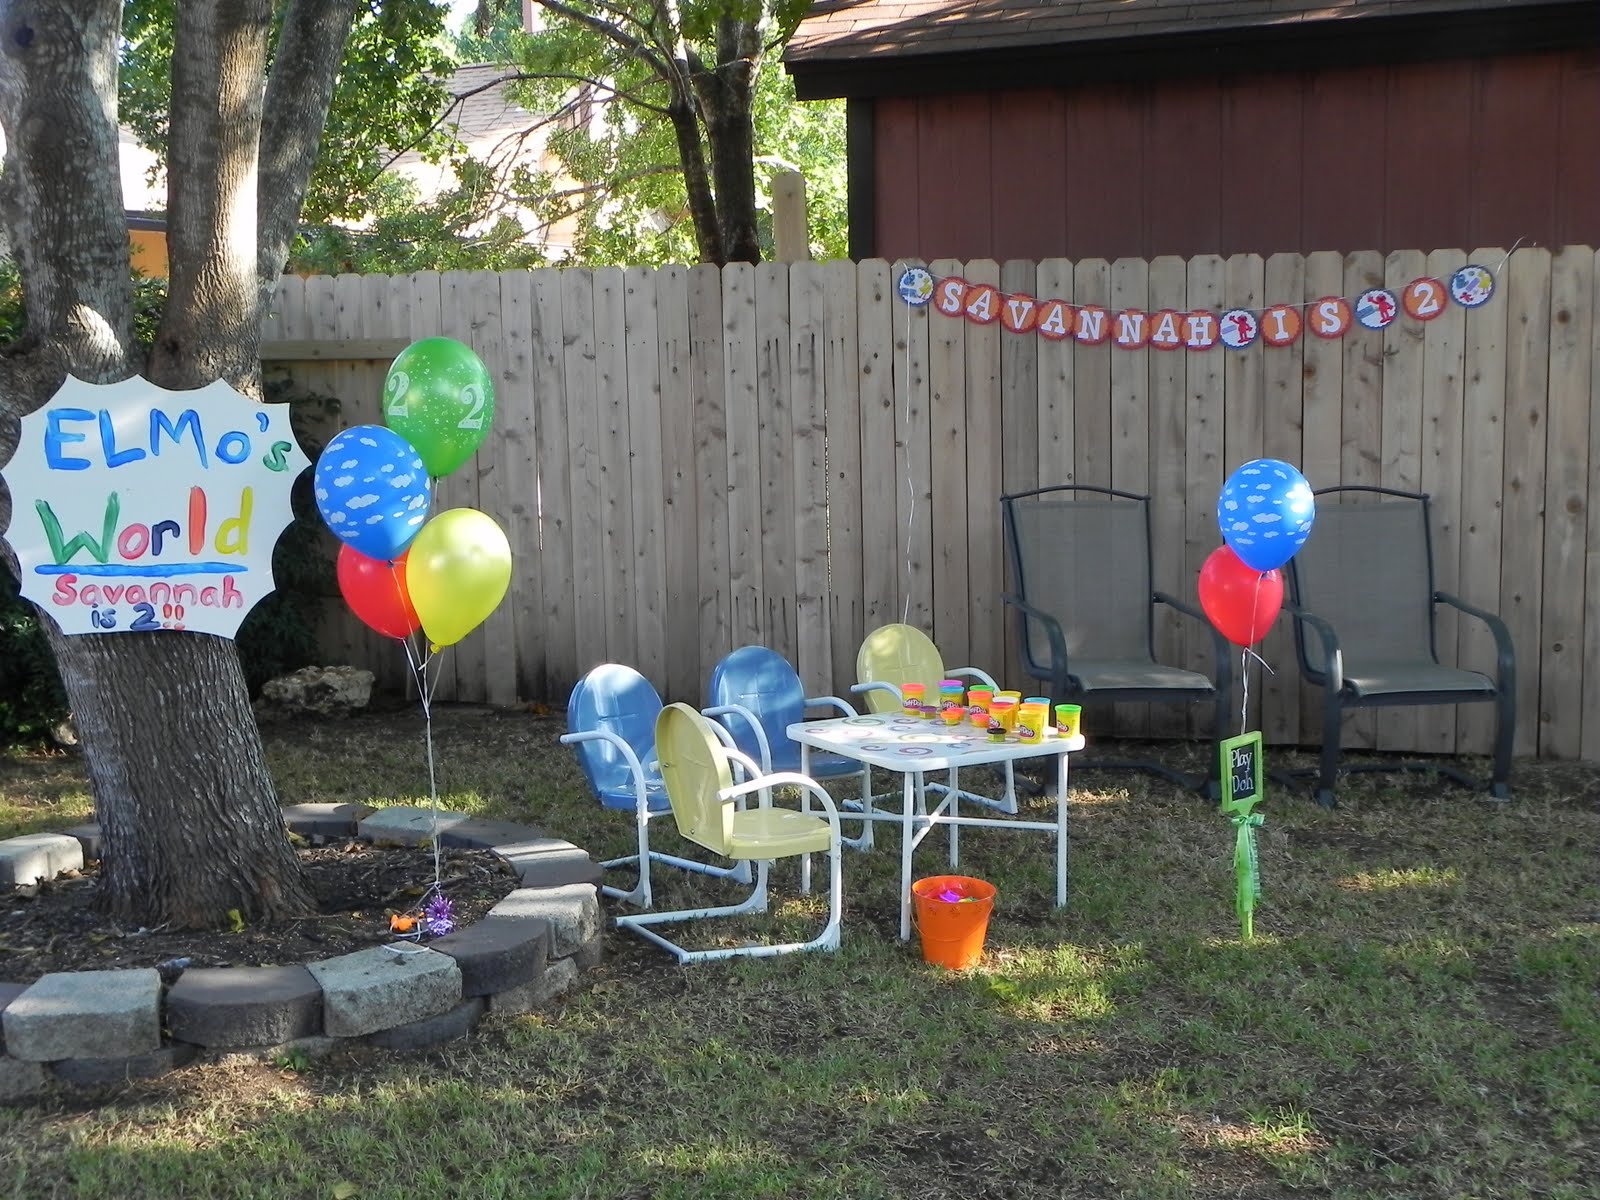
623,184
408,235
279,634
32,700
388,96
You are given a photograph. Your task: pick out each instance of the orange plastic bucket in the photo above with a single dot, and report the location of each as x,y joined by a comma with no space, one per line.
952,916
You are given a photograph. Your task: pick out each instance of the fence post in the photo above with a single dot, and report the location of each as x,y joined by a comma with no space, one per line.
789,217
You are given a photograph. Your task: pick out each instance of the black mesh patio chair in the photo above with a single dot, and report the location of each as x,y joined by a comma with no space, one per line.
1081,569
1364,607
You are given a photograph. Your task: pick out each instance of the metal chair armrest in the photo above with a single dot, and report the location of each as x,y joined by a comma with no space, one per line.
742,763
843,706
718,711
878,686
766,783
630,755
1219,644
1052,630
1332,656
1505,655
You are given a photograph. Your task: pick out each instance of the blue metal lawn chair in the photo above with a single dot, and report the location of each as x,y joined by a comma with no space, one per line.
756,694
611,723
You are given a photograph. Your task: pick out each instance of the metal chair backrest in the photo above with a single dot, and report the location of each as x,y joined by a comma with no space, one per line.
898,654
1368,565
764,682
695,770
621,701
1082,554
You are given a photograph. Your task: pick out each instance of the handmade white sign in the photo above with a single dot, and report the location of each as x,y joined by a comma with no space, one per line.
137,509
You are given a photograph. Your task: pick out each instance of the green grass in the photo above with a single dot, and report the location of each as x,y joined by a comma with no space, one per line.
1417,1015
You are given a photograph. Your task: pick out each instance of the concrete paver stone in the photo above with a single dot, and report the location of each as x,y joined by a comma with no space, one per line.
86,1014
404,824
373,989
244,1006
34,856
573,911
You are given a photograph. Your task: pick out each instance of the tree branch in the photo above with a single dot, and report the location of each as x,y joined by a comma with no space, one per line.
610,32
304,70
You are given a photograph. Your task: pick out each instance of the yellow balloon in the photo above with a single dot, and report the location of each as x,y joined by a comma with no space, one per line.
457,572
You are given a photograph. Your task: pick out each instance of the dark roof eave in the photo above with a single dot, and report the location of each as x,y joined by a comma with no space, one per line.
1558,25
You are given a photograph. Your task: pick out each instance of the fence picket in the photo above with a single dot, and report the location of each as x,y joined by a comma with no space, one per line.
1527,297
1442,408
1566,474
713,499
947,429
1483,464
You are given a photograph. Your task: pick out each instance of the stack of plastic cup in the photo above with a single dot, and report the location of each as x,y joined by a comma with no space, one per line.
911,695
1033,719
1004,710
952,701
978,699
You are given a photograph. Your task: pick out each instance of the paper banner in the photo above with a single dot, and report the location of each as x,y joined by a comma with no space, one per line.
1330,317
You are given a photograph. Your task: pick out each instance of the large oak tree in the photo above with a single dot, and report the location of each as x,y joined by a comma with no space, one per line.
188,811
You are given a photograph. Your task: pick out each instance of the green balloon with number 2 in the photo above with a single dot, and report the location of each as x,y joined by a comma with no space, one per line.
438,396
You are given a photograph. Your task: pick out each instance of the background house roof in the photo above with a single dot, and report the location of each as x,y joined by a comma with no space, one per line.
870,47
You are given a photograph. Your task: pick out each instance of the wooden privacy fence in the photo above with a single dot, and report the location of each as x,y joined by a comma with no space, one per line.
690,459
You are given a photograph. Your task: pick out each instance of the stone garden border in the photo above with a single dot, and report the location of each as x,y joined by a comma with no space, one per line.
99,1028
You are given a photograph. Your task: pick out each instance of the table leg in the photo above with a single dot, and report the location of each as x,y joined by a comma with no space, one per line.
911,787
955,811
1061,833
805,804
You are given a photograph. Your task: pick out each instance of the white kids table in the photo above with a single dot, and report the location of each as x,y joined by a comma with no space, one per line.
912,747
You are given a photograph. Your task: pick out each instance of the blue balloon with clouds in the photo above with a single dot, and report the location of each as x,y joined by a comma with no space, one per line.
1265,512
372,490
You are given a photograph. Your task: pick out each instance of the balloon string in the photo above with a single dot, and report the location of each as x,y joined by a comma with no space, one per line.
1245,655
905,445
419,670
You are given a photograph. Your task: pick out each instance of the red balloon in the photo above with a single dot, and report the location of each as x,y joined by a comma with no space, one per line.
1240,601
376,592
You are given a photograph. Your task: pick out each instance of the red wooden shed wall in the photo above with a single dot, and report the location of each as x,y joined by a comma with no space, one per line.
1466,153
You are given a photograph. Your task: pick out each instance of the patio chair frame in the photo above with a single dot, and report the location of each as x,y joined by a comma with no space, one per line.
1066,685
1340,694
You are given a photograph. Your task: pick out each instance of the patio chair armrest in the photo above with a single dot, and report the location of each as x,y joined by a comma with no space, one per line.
842,705
1332,656
1052,631
1219,644
766,783
718,711
1505,654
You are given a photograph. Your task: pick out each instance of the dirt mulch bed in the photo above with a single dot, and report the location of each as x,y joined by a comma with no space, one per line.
357,885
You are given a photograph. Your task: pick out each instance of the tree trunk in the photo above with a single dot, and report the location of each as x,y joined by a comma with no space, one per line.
696,183
727,92
187,808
